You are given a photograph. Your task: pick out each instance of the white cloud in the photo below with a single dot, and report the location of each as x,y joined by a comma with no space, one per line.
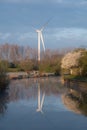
25,36
67,31
19,1
59,1
84,2
41,1
70,33
67,37
18,38
56,37
30,1
72,2
4,36
63,2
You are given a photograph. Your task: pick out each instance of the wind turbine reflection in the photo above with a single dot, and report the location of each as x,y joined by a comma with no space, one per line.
40,101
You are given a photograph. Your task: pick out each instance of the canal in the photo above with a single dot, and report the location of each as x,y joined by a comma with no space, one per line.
43,104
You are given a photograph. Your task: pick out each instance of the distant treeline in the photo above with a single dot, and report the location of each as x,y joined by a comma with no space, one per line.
24,58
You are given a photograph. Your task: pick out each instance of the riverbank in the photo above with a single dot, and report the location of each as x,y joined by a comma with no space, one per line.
33,74
75,78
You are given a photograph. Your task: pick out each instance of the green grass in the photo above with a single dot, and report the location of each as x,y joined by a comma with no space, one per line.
13,70
77,78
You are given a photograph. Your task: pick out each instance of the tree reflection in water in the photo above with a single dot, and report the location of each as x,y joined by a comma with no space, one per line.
3,101
31,90
27,88
76,97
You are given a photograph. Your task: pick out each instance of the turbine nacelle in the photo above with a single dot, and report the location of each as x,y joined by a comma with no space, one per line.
39,110
38,31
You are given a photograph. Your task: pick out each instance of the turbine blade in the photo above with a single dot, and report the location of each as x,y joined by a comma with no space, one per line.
45,24
34,28
38,46
38,96
42,100
42,41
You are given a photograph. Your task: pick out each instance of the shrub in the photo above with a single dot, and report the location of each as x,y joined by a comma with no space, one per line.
3,77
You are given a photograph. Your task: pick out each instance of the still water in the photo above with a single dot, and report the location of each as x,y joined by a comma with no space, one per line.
42,104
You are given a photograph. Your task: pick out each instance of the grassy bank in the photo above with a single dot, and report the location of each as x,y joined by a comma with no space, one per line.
75,78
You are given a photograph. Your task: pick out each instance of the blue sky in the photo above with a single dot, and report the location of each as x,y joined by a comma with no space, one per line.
67,27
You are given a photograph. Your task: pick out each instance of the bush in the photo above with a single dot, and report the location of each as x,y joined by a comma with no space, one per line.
75,62
83,64
3,77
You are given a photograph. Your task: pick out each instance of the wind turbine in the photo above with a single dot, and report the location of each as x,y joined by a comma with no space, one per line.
40,38
40,102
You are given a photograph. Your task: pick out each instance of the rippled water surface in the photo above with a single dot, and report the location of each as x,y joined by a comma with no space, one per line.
41,104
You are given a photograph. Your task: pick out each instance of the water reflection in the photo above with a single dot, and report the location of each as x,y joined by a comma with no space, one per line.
25,101
40,101
46,92
32,91
27,89
76,97
3,101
